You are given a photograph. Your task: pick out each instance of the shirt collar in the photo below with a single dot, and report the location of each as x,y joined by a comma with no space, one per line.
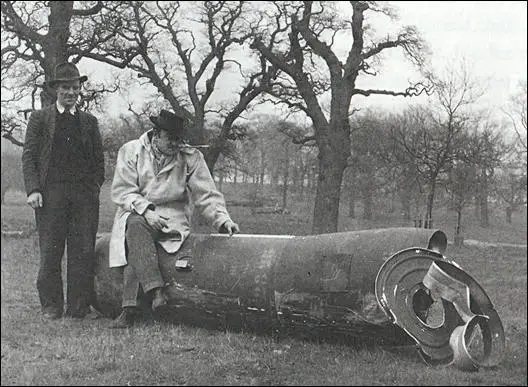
61,109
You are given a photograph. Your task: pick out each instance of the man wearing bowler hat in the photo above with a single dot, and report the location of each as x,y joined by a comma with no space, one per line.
157,177
63,167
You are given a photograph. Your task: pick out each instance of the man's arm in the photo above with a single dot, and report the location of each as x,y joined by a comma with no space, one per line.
205,196
31,153
125,188
98,154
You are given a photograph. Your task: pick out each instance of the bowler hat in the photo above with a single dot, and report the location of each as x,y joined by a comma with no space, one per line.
65,72
170,122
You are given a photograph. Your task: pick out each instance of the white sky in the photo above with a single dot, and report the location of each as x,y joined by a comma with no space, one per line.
489,35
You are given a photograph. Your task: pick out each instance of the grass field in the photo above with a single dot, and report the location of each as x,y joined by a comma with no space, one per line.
70,352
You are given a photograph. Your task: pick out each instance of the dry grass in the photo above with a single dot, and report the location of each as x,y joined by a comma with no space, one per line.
70,352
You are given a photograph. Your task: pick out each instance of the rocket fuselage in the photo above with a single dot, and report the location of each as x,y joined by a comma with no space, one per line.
320,286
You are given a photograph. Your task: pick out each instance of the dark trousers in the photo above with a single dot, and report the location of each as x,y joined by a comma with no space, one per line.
69,216
142,270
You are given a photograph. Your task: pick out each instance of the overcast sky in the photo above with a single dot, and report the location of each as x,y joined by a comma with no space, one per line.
489,35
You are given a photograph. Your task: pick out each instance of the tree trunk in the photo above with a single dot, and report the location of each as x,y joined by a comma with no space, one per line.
302,176
326,210
428,223
476,206
286,176
262,167
484,211
352,203
483,201
405,197
54,45
509,212
392,204
311,174
367,207
459,238
368,201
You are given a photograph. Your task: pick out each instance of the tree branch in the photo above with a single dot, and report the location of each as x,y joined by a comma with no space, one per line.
90,11
412,91
15,23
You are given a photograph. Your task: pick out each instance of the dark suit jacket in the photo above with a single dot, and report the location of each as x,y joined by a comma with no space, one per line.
39,143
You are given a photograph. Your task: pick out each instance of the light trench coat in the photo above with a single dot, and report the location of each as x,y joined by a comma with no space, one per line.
181,184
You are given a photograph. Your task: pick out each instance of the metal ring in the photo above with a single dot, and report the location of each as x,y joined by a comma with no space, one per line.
466,305
460,338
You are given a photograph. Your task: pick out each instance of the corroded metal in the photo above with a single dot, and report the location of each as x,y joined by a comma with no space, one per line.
317,286
400,288
411,280
475,309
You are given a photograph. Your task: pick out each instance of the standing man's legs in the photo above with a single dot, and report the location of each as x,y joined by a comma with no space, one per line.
52,224
84,203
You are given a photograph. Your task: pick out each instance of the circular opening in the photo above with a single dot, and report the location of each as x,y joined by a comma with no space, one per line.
429,310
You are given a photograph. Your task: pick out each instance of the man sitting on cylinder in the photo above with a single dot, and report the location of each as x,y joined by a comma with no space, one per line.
157,179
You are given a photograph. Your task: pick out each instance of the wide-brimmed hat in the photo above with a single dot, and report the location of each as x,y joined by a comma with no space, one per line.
170,122
65,72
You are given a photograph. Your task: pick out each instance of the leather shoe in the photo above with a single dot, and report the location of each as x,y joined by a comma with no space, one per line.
159,300
124,320
51,313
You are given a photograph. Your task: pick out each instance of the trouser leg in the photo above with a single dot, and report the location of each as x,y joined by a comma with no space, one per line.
143,264
81,248
52,223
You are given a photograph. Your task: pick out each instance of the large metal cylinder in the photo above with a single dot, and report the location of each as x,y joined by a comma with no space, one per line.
320,286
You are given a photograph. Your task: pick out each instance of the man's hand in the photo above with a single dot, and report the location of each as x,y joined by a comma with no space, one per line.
35,200
155,220
229,227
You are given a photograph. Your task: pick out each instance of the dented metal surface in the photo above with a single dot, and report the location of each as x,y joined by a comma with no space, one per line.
319,286
475,309
407,286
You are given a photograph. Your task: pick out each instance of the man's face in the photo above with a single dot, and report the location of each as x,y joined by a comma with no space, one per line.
68,93
167,144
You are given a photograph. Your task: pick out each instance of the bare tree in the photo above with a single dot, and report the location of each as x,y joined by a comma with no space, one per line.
423,149
433,138
516,111
38,35
479,153
511,190
488,150
182,52
461,183
373,165
299,39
